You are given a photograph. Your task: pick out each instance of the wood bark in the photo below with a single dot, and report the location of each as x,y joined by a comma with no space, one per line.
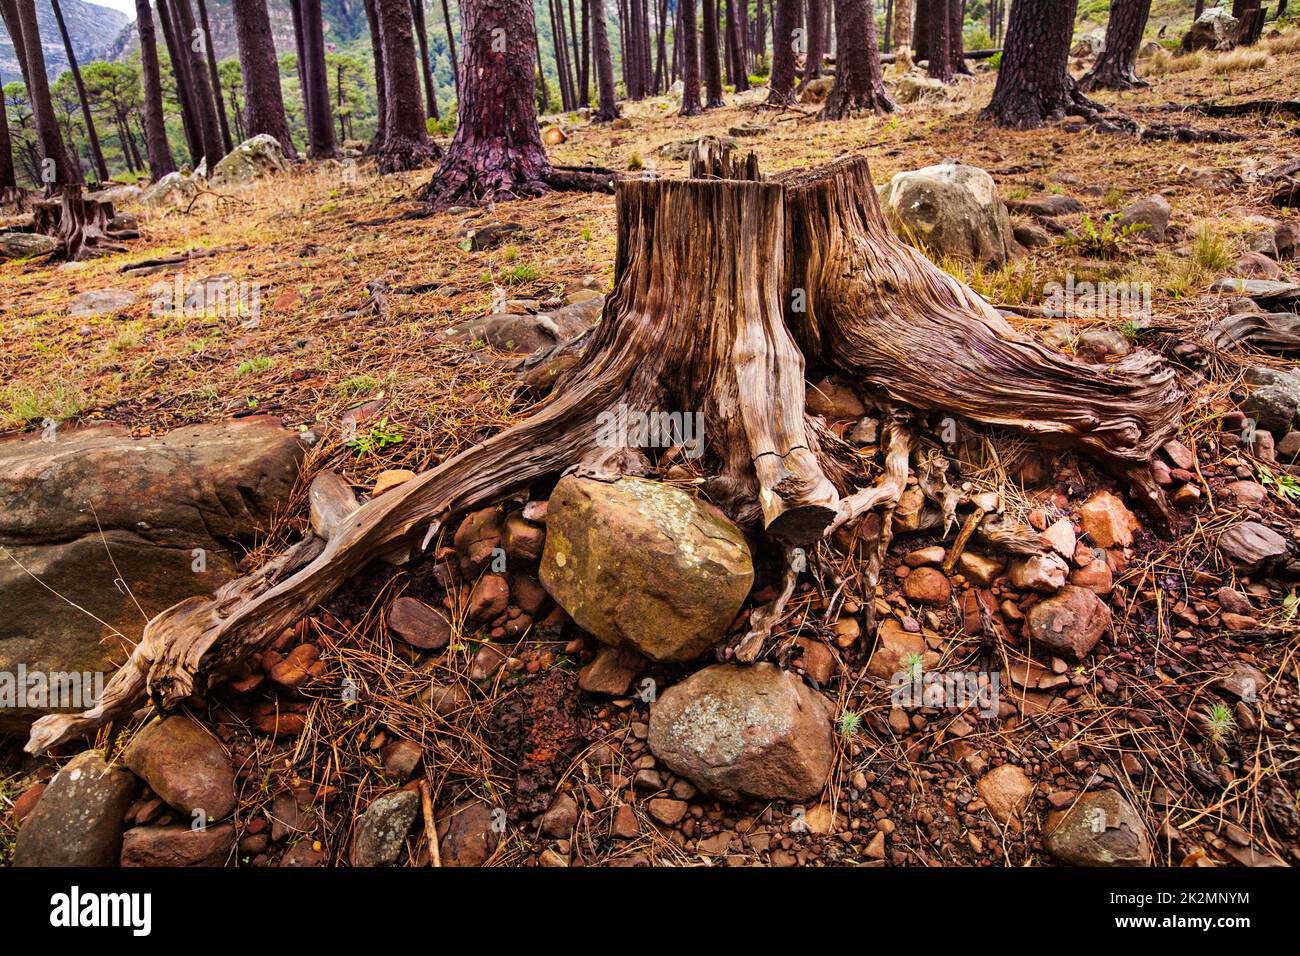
739,73
381,89
703,318
784,40
406,142
426,68
814,38
606,101
1034,83
859,84
690,59
210,55
96,153
260,73
497,152
81,225
196,45
181,74
710,63
59,169
1116,67
451,46
155,125
320,124
939,40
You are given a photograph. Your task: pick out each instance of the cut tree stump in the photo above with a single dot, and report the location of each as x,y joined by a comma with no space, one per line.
724,282
81,225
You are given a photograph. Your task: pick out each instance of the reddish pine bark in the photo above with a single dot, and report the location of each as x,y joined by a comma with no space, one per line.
204,106
815,39
940,40
406,142
96,153
607,104
1034,84
709,60
64,170
1116,68
784,24
859,84
426,71
320,123
381,92
263,99
690,53
155,127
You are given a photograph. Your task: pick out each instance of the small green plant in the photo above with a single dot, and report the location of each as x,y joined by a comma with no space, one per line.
634,163
254,366
995,60
1219,724
1210,252
379,437
850,724
510,253
913,666
586,234
356,385
521,274
1129,329
1286,486
1108,242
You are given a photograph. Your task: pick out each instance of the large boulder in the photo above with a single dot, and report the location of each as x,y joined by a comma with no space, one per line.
171,191
754,731
1276,407
26,245
252,159
644,564
78,821
1214,29
1100,829
185,766
952,210
82,509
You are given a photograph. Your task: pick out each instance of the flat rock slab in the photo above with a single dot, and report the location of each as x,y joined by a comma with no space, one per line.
167,516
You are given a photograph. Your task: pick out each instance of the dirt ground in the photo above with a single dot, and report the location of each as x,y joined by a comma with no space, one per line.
308,246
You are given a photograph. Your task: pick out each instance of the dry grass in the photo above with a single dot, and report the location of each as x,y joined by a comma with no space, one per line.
1164,62
1242,60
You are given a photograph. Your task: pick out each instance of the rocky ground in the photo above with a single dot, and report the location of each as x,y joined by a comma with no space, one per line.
546,686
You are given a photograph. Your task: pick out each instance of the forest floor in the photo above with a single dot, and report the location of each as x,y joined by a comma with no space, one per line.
307,246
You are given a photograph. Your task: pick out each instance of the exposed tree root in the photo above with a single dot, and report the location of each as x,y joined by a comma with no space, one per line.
702,320
81,225
397,154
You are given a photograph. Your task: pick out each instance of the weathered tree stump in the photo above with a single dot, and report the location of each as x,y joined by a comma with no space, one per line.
704,318
80,224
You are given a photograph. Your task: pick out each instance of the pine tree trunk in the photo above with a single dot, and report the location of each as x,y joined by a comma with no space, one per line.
703,317
96,153
859,85
155,127
921,31
210,55
606,101
902,36
406,142
1034,83
300,50
381,90
741,76
260,71
815,48
690,59
1116,67
320,126
451,46
710,63
181,73
8,176
426,70
784,25
957,37
58,169
497,154
204,104
940,36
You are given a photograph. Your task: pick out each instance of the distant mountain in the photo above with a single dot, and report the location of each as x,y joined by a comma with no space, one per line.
345,20
92,28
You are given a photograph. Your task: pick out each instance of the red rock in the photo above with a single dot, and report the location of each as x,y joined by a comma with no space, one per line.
980,570
294,670
1179,454
817,660
469,833
561,817
390,479
1069,623
26,801
184,765
894,646
486,662
419,625
522,539
1044,573
528,594
1005,791
1095,577
625,822
401,759
489,598
928,586
477,538
1106,521
177,846
972,620
667,811
611,671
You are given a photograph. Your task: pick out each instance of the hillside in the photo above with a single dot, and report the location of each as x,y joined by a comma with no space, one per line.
92,28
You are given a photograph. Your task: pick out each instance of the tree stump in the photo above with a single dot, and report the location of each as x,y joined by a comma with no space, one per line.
724,282
81,225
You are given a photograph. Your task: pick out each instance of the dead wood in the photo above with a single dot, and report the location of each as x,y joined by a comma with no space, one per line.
703,319
81,225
